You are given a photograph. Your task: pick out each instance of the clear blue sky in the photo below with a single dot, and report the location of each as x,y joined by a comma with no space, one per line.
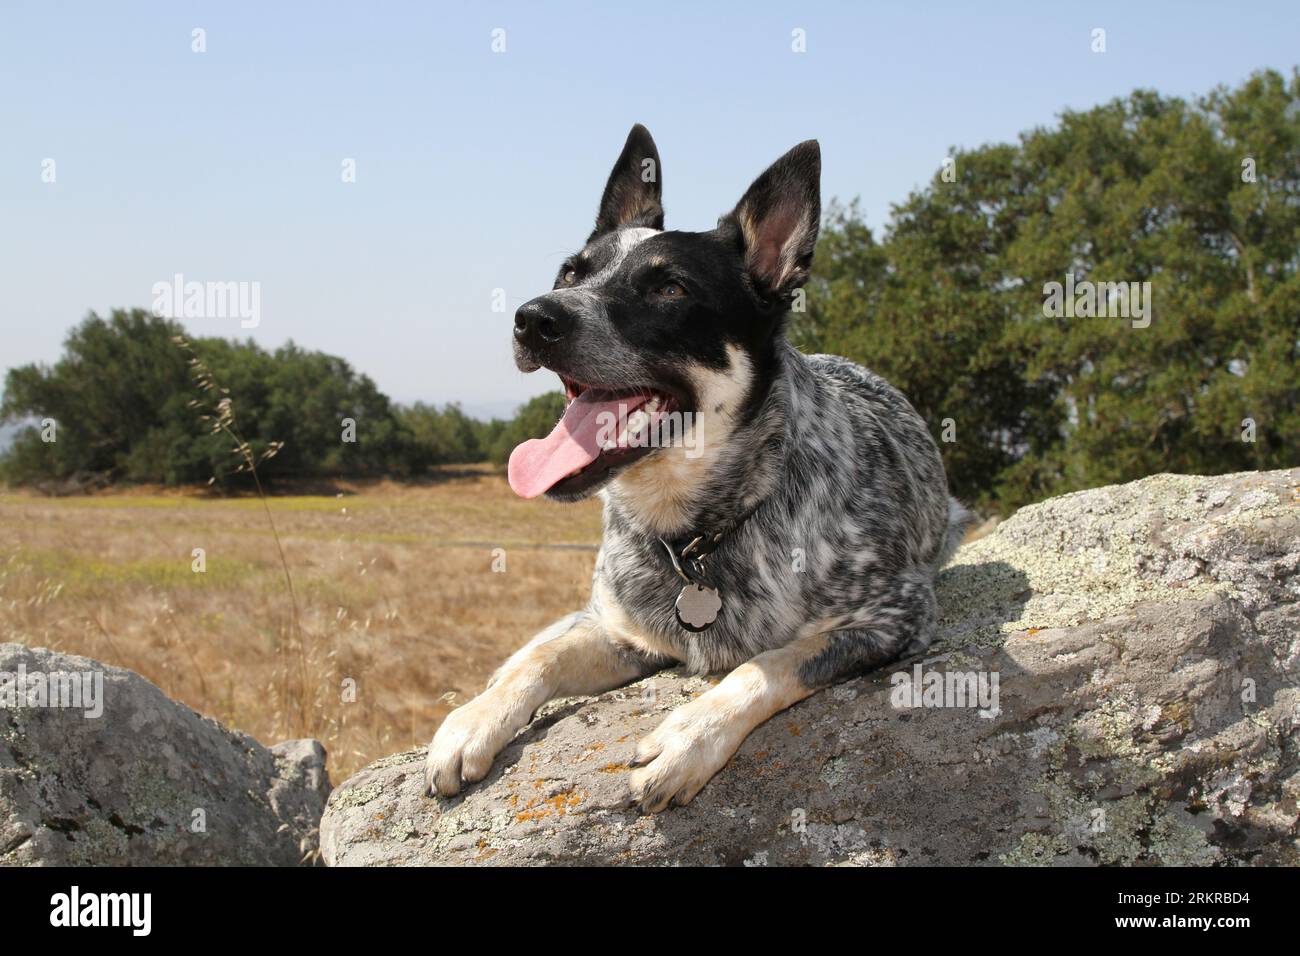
478,170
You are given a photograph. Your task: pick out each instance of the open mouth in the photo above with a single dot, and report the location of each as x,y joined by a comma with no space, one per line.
604,428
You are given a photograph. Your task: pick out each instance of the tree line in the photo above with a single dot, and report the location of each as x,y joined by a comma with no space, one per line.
132,399
1194,206
1110,297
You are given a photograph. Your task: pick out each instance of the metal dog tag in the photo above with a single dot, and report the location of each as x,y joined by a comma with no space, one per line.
697,607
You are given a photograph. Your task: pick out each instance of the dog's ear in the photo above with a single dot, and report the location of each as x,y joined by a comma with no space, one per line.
633,193
778,220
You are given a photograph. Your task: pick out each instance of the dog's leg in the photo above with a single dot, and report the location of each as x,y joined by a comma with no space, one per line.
574,656
696,740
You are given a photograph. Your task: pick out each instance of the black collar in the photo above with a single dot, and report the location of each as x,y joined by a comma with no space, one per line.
687,553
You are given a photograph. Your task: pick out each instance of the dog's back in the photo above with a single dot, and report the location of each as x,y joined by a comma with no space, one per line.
895,458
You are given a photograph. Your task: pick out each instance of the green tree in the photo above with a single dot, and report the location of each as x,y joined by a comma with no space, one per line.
122,396
121,385
445,436
950,304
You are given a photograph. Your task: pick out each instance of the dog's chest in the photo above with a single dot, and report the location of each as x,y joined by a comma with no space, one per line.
636,592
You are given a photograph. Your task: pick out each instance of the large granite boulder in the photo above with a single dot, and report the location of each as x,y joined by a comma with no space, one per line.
128,776
1146,644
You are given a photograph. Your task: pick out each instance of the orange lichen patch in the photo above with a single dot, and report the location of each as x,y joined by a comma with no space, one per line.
527,812
760,755
593,749
378,816
484,851
794,730
559,804
563,801
623,738
1033,630
614,768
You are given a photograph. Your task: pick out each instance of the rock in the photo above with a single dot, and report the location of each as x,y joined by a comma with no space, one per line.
146,780
1144,639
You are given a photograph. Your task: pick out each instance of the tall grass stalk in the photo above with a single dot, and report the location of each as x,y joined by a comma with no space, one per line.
218,410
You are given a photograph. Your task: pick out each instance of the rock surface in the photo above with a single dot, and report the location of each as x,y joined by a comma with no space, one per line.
148,781
1144,637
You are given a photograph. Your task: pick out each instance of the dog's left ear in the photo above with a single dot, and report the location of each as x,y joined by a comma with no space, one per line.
778,220
634,190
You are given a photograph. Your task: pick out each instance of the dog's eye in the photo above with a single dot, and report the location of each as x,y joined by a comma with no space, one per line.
570,276
671,290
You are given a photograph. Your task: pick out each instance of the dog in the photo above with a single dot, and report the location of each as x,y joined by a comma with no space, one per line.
791,536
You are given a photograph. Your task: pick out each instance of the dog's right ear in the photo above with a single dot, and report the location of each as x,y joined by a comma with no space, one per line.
632,194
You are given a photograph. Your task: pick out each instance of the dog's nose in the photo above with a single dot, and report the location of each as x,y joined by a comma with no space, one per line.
541,322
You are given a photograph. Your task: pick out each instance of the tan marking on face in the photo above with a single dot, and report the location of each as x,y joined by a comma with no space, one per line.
661,490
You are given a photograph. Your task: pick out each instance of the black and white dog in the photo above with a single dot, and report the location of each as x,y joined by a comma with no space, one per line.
791,534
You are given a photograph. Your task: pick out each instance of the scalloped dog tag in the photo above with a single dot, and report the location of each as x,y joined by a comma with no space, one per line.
697,607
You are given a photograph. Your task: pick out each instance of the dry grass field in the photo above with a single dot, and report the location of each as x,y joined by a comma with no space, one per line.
399,610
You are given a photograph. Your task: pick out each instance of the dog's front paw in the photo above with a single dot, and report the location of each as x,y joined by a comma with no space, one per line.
679,758
466,744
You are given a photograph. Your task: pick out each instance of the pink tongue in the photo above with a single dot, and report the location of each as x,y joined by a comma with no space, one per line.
540,463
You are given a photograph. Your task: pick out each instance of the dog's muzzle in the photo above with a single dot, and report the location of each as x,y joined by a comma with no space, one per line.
541,325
